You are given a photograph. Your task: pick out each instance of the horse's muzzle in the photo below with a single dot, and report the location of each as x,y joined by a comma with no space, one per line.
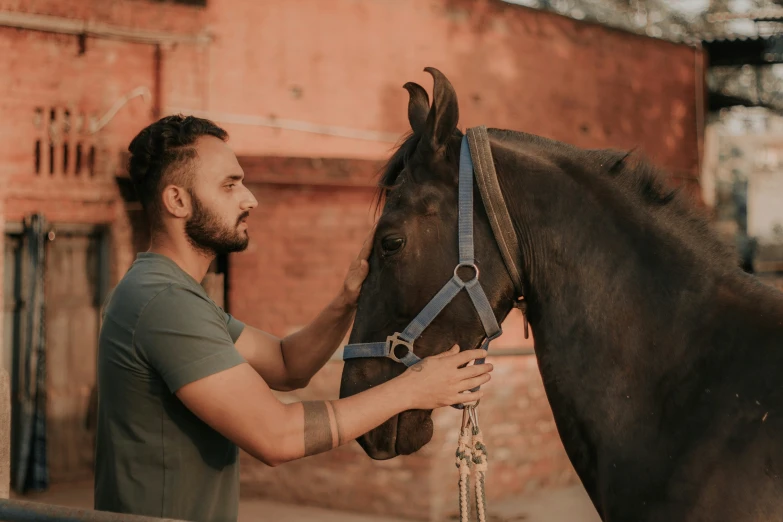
380,443
403,434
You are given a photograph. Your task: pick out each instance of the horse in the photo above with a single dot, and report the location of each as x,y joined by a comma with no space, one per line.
661,359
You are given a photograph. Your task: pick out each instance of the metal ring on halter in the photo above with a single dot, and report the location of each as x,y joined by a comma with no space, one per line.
469,265
394,341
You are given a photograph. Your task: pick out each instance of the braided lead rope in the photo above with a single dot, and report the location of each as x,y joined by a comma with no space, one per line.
471,454
464,462
480,461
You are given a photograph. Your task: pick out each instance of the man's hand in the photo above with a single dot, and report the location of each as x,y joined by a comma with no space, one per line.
443,379
357,272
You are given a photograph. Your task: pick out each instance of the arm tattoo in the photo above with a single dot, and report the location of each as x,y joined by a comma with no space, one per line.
340,438
317,428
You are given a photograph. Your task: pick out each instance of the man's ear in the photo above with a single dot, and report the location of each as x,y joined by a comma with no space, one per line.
176,201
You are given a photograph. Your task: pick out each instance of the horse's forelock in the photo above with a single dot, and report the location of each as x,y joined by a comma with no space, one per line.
394,166
391,171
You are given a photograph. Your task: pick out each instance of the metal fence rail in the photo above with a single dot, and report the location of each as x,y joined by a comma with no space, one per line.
25,511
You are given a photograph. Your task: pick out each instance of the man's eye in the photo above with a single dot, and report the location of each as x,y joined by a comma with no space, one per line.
390,245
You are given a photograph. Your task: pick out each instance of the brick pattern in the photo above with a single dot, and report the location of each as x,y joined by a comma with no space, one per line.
302,242
52,74
332,172
151,16
512,67
525,452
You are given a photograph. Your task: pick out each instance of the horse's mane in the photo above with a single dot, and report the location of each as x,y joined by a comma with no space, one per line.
672,207
631,174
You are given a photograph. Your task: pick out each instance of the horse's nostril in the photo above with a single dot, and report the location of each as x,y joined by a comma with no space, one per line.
400,351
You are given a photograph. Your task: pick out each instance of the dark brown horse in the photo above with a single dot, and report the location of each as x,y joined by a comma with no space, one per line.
661,359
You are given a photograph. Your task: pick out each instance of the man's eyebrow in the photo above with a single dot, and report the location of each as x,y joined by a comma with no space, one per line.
234,177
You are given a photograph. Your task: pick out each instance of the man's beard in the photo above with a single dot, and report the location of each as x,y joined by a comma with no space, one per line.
207,234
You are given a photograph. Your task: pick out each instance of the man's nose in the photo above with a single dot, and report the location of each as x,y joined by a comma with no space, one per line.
250,202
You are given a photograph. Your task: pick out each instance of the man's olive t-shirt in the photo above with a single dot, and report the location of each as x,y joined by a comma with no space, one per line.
154,457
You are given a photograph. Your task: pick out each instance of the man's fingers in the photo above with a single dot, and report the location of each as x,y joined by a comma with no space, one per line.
469,355
364,253
474,370
471,383
451,351
464,398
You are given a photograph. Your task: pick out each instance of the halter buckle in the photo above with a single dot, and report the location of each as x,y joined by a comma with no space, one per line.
393,342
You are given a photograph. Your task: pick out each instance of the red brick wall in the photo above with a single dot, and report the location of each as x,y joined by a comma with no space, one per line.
512,67
340,63
303,239
54,72
149,15
303,236
345,67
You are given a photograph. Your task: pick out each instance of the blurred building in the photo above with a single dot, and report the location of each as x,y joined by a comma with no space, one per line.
311,94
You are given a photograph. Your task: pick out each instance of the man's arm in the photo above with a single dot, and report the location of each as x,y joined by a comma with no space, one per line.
289,363
238,404
182,338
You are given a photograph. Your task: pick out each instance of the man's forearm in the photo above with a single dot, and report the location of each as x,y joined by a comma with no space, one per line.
307,350
314,427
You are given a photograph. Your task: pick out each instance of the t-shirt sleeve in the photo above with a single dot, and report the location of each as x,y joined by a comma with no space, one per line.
185,337
234,325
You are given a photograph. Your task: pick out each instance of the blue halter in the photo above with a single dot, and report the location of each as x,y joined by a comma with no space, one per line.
399,346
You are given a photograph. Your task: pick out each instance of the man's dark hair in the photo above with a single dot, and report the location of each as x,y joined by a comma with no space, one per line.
162,154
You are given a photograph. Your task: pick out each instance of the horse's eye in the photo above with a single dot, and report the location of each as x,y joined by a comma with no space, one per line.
391,245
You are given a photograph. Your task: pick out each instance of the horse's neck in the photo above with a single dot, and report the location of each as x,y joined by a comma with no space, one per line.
612,318
610,342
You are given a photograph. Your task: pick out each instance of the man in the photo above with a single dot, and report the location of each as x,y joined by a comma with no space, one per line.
183,385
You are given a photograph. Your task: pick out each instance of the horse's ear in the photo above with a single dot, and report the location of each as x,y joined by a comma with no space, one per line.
418,106
444,113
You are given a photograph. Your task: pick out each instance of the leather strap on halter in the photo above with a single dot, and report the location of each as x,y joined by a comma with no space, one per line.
497,211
